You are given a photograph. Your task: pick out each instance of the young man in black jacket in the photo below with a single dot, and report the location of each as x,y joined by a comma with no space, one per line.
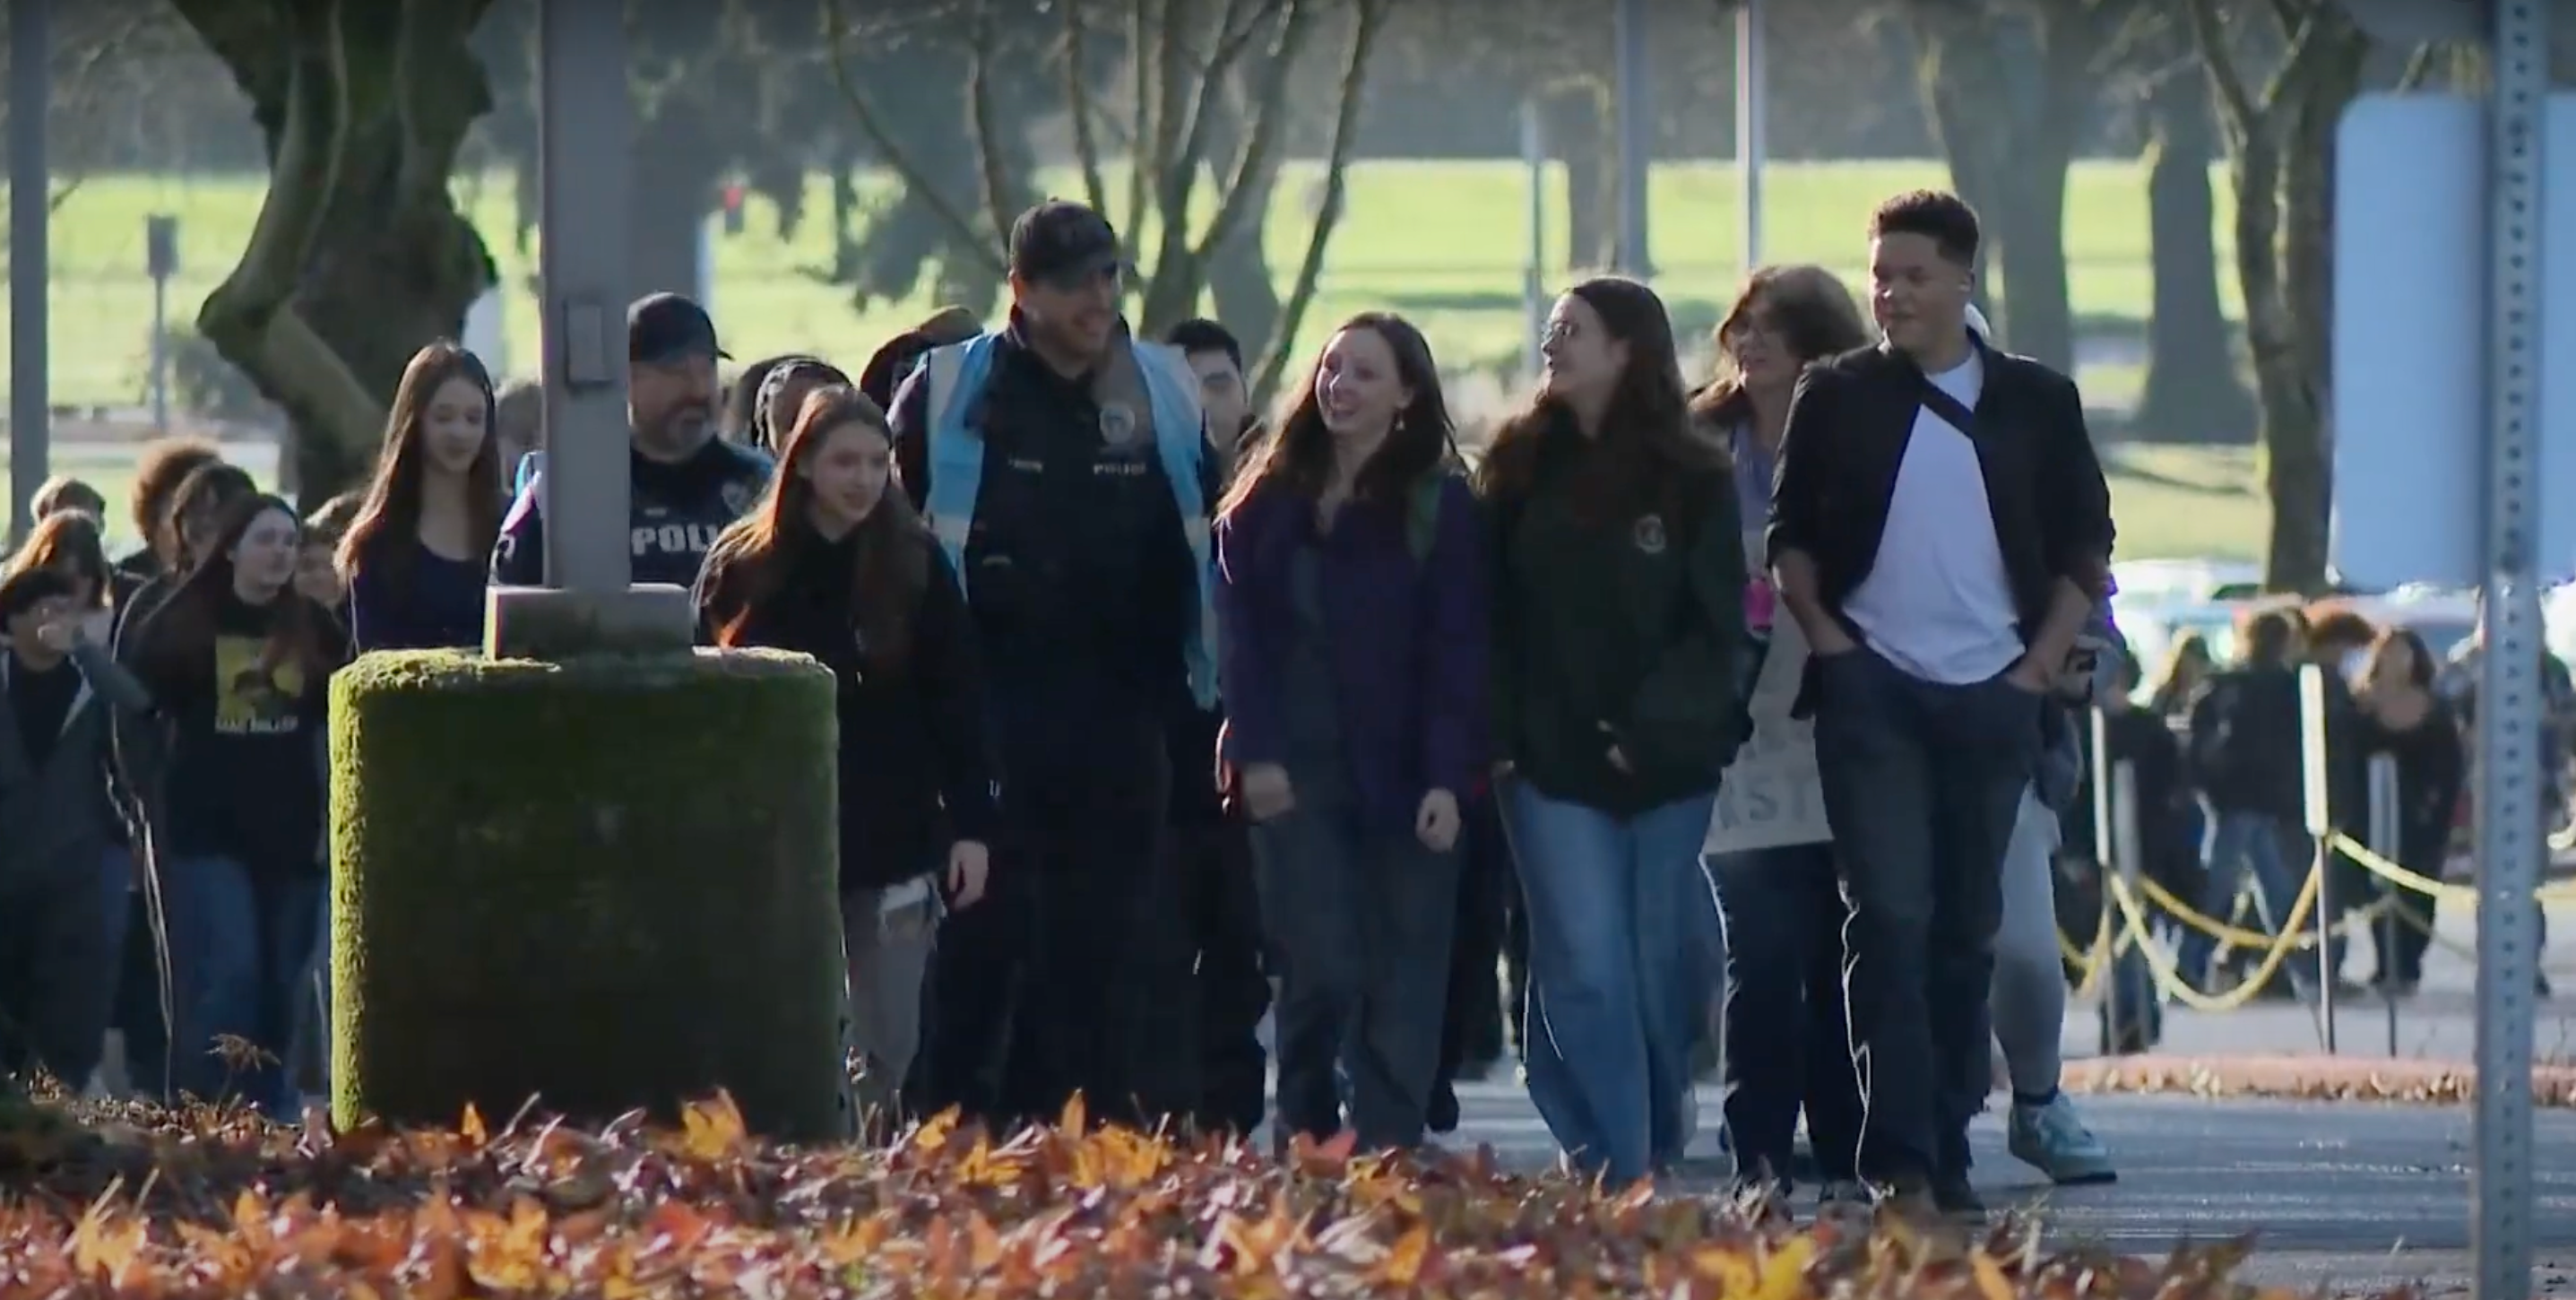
1940,528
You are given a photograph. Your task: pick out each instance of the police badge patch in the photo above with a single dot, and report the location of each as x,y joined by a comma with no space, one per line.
1118,425
738,496
1649,534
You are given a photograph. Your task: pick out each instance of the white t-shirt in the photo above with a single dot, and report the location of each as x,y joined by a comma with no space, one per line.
1938,603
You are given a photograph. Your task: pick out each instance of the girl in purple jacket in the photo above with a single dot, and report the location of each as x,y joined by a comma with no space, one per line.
1351,602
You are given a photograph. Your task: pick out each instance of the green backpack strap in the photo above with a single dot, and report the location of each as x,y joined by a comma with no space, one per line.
1422,513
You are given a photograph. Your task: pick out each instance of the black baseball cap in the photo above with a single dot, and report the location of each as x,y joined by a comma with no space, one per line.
1061,239
667,327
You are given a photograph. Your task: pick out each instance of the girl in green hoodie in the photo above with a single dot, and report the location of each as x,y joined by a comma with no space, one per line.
1619,639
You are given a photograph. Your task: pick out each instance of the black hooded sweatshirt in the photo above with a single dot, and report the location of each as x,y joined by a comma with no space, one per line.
916,768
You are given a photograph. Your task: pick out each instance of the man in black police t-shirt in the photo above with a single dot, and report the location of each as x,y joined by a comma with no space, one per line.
688,483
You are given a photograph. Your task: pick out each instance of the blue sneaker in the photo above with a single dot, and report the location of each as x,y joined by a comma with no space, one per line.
2051,1139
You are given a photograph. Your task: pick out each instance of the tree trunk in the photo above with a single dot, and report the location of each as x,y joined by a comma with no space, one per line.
359,255
1239,279
2299,455
1575,119
2007,120
673,184
2194,391
385,280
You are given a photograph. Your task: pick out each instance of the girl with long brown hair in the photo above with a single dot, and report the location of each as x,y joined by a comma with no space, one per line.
1619,592
73,542
1351,592
833,564
1783,945
414,559
238,664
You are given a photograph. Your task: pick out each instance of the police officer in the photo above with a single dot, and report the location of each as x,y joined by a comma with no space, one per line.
688,484
1062,464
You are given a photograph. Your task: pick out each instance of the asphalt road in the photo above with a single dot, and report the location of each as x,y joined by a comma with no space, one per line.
2360,1197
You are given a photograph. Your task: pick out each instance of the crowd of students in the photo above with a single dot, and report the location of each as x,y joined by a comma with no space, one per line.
1158,717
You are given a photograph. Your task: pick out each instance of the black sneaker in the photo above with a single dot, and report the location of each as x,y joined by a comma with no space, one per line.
1442,1115
1954,1198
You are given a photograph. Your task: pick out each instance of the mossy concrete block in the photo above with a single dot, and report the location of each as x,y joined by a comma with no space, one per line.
604,882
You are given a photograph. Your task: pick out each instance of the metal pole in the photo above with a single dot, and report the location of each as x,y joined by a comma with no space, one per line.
161,354
1534,277
2509,840
161,261
2130,848
31,93
2385,795
2317,797
584,125
1752,128
1636,136
2106,851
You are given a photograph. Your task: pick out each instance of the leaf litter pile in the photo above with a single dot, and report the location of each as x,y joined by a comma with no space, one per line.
137,1201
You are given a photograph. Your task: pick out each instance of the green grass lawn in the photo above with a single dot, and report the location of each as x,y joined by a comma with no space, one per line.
2170,501
1443,242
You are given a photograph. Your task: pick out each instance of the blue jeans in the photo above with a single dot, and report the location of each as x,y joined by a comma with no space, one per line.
1613,951
242,947
2238,842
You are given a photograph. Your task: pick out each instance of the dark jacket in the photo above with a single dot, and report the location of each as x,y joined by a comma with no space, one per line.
2245,747
54,815
674,513
137,747
238,747
2432,768
1408,646
916,772
1848,427
1636,625
1077,571
425,602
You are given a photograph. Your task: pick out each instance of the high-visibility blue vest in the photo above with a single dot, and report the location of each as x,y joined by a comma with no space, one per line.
958,371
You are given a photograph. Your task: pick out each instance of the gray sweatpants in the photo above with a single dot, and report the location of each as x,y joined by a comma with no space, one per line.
888,934
2028,998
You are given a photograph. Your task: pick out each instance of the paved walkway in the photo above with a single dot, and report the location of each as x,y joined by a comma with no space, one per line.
2438,1023
2362,1196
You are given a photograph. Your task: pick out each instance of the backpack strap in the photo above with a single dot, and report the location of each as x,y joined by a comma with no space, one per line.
1422,513
943,364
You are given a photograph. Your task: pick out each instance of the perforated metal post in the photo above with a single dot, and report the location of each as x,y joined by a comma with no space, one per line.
1752,125
2385,833
2106,849
584,121
2510,706
1636,135
2316,794
2129,849
1534,301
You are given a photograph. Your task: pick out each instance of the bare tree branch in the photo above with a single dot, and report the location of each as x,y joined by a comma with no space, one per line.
249,317
982,122
2420,66
1078,107
2235,97
1328,214
1269,125
838,34
1143,132
1179,179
